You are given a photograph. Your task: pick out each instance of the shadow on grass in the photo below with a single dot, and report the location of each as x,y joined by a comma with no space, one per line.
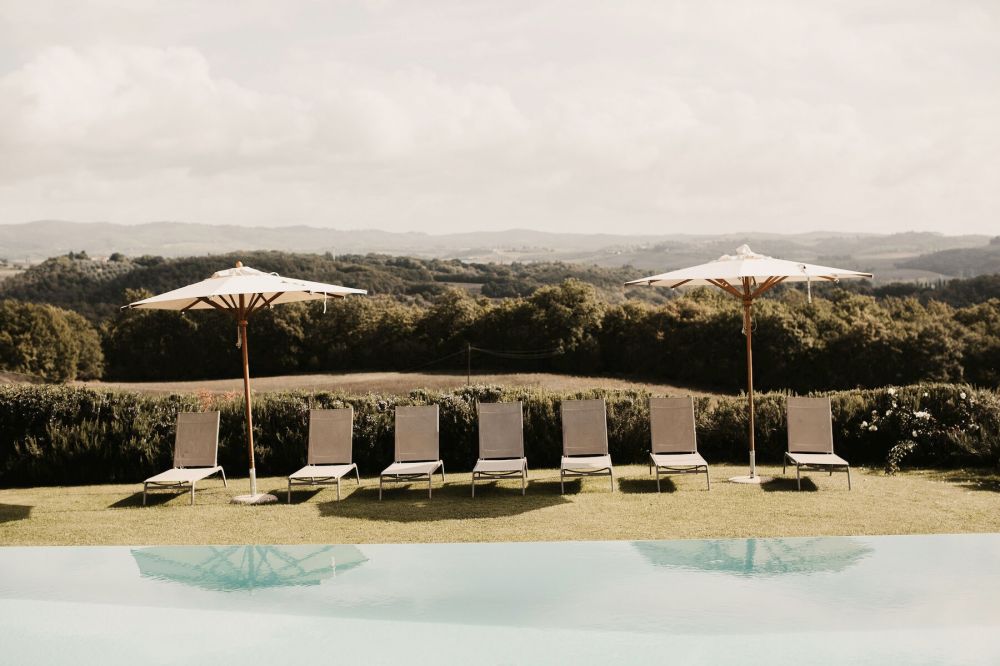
152,499
300,495
982,480
780,484
667,485
410,504
11,512
549,487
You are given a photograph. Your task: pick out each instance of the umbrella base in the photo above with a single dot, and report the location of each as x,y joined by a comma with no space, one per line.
259,498
756,480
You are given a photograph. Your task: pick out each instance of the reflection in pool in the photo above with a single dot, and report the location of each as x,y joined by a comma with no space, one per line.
756,557
868,600
231,568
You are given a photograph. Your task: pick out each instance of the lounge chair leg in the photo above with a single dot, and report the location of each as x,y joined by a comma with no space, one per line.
289,491
524,480
145,487
611,473
357,475
443,480
657,478
430,477
473,484
784,463
798,476
562,484
708,479
338,488
192,493
380,488
848,478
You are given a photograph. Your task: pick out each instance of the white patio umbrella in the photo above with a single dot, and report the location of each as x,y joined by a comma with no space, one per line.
241,292
747,275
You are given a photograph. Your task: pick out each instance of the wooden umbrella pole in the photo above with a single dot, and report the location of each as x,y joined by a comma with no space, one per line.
748,331
242,322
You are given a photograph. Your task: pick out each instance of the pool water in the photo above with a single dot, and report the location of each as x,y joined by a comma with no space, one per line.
873,600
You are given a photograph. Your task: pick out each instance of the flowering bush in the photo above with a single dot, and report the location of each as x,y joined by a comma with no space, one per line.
938,424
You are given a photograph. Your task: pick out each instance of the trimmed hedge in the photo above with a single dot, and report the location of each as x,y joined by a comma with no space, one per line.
52,435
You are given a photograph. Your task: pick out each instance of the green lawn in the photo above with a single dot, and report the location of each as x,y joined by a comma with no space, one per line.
911,503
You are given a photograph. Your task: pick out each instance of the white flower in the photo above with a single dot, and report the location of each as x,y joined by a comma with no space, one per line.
914,433
922,415
891,391
872,428
864,424
962,395
888,411
894,404
926,394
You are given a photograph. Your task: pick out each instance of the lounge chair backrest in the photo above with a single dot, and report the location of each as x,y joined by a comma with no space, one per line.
330,436
417,433
810,425
501,432
585,428
197,440
671,425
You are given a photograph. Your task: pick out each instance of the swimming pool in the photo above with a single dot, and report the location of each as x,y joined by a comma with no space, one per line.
873,600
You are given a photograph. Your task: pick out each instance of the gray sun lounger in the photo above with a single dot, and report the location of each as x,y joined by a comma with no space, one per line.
196,448
810,438
329,456
585,441
417,452
501,444
674,441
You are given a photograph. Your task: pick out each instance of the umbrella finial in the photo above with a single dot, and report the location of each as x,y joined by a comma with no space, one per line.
239,264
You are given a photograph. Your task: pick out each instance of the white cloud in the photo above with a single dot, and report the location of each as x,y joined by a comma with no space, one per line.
561,115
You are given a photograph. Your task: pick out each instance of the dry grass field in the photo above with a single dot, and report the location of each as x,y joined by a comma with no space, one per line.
917,502
394,382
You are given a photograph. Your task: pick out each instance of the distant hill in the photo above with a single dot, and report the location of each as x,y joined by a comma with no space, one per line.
888,256
96,287
960,262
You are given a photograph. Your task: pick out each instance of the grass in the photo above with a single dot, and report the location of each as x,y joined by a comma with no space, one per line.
917,502
396,382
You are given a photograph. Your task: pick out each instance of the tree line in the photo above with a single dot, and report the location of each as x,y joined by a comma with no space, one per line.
844,339
95,288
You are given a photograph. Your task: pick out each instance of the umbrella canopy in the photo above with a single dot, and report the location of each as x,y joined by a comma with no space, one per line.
745,264
241,292
233,568
747,275
223,289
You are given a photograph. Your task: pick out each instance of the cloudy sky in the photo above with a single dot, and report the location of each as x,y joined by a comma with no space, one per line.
562,115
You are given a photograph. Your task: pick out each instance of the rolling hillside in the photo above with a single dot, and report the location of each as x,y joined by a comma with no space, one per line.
891,257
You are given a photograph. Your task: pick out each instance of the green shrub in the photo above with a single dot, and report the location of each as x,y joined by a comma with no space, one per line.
45,341
60,435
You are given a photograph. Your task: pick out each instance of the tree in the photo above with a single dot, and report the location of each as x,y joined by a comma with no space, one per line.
48,342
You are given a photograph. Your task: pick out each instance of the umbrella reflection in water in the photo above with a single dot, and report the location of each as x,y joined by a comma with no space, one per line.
756,557
234,568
